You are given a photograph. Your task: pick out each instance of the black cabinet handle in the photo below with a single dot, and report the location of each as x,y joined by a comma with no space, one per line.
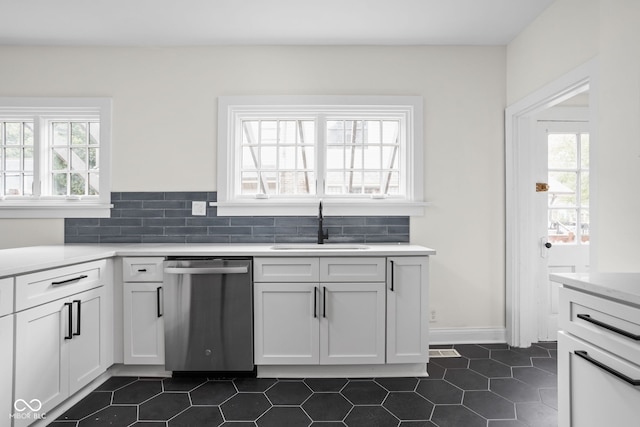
315,302
79,316
392,275
588,318
324,301
583,354
64,282
142,270
70,332
158,305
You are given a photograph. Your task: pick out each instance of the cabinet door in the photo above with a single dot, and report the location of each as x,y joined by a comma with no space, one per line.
41,364
6,365
143,324
87,351
286,323
589,395
352,323
407,308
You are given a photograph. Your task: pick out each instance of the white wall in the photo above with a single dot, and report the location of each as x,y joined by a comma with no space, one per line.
568,34
164,130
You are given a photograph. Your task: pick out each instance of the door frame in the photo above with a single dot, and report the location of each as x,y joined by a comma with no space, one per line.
522,266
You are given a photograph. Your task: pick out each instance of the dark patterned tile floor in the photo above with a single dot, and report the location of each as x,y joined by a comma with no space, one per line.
491,385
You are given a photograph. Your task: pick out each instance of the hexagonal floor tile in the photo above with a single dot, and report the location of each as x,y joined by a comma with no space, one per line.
511,358
549,397
467,379
279,416
164,406
245,407
288,393
435,371
506,423
87,406
137,392
327,407
198,416
364,392
439,392
114,383
254,384
546,363
369,416
398,384
182,383
490,368
417,424
326,384
514,390
472,351
407,405
489,405
213,393
537,414
113,415
451,362
456,416
536,377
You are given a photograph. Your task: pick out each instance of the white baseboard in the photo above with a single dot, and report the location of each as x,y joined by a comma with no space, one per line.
467,335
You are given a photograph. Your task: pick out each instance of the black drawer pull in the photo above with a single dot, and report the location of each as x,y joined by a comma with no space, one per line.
324,301
74,279
583,354
392,276
588,318
79,316
70,333
315,302
142,270
158,303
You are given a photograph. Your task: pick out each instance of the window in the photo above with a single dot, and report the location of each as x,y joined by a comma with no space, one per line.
54,157
280,155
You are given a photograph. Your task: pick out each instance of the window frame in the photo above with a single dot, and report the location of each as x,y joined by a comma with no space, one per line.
44,111
232,109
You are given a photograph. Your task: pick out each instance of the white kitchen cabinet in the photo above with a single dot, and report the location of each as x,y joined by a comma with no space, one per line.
60,348
407,309
6,365
286,323
143,324
598,360
314,322
142,301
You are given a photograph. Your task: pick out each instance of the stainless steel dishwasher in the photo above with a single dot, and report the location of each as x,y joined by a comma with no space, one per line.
208,314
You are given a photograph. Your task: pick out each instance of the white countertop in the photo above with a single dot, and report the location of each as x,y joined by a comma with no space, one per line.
23,260
624,287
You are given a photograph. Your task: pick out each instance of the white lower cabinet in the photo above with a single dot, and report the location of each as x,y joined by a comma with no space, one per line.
407,303
313,323
60,348
590,391
6,366
143,324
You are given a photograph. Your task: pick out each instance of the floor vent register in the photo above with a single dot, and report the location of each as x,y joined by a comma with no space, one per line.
443,352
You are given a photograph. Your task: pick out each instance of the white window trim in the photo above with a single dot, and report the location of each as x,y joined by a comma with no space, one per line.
48,109
230,107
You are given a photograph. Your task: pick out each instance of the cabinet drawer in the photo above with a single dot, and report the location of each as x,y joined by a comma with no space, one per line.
44,286
286,269
6,296
142,269
352,269
608,324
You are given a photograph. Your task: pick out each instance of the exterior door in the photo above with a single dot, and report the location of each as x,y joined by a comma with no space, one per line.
563,212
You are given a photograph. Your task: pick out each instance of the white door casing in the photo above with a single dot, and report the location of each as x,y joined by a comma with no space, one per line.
523,270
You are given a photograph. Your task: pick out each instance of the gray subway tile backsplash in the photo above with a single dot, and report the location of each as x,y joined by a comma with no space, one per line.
165,217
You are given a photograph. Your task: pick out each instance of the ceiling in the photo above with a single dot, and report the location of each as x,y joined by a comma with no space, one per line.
289,22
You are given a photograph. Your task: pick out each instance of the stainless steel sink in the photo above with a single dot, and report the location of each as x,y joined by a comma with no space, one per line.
315,246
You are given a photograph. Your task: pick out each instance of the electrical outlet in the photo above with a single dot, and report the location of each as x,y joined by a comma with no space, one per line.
433,317
199,208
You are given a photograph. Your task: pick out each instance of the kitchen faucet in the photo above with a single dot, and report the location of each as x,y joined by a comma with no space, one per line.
322,234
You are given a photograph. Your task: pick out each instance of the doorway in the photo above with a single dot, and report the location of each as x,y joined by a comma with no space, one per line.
525,267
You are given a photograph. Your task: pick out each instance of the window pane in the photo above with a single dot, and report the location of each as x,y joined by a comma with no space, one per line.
391,183
269,181
372,182
335,183
59,161
335,132
249,158
94,184
12,159
79,133
373,132
287,158
94,133
563,151
12,185
288,132
28,133
584,226
27,185
353,132
268,157
268,132
28,159
13,133
584,151
308,132
59,184
305,183
78,182
390,132
306,158
287,182
249,182
372,157
562,188
335,157
250,130
78,159
354,183
60,133
562,225
94,158
584,189
390,157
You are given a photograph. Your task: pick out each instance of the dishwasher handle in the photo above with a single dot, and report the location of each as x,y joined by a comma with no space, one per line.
207,270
